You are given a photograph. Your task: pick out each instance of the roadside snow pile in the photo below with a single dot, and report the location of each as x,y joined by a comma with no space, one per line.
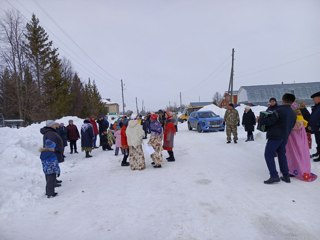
21,168
217,110
221,111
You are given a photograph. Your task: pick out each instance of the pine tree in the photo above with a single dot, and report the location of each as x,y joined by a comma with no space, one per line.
39,51
76,92
8,95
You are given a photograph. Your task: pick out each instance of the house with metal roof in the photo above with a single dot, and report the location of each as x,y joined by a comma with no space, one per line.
260,94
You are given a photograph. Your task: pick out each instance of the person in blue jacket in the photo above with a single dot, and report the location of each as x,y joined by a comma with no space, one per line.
50,166
280,124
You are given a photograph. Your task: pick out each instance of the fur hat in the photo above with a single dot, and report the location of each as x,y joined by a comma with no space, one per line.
50,123
317,94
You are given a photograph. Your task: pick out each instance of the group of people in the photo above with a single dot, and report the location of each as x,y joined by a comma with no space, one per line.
288,130
126,134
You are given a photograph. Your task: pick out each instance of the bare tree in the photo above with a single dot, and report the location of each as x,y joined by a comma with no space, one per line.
217,97
11,39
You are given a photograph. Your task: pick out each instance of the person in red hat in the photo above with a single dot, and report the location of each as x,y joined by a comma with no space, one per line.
169,132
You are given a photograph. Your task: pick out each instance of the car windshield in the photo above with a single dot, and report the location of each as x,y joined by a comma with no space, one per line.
206,115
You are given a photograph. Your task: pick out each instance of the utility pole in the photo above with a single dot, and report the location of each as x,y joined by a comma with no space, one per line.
123,111
137,106
230,89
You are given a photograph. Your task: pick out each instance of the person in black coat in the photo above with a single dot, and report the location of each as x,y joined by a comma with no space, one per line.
314,122
103,129
248,122
280,124
87,137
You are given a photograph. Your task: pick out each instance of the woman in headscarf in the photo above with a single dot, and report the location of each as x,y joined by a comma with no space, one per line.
135,135
156,140
169,132
87,137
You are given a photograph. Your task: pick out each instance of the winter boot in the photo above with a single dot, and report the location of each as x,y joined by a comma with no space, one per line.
124,162
317,159
53,195
251,138
171,157
75,151
88,155
71,151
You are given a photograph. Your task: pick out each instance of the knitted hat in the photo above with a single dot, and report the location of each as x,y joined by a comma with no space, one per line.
50,123
247,108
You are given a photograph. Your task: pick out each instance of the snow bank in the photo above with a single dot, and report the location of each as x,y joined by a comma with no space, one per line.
21,170
240,109
215,109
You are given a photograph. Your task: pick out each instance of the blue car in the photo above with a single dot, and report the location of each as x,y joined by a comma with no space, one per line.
205,121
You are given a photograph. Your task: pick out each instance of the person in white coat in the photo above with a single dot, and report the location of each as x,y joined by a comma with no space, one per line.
135,135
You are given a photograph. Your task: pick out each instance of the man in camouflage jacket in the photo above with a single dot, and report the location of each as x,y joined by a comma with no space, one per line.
231,120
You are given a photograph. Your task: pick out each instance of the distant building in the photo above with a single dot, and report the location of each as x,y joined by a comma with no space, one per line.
226,99
111,107
260,94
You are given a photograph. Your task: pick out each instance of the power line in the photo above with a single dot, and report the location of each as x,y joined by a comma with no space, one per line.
277,66
85,69
70,38
214,73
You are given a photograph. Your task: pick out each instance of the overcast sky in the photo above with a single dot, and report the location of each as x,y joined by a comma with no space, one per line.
163,47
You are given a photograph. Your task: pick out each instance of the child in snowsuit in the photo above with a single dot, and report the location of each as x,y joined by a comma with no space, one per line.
50,166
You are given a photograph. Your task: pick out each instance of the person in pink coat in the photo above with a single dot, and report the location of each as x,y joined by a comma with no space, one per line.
297,150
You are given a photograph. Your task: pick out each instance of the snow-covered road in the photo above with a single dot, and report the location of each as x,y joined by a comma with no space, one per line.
214,190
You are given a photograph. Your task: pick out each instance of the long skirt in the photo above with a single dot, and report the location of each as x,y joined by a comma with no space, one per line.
156,142
298,156
136,158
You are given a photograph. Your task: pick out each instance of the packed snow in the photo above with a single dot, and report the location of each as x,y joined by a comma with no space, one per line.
214,190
